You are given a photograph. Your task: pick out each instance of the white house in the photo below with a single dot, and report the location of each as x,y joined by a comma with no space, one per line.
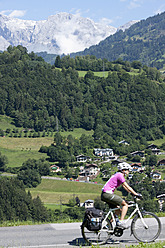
103,152
124,142
137,167
90,170
88,204
161,200
82,158
156,175
154,149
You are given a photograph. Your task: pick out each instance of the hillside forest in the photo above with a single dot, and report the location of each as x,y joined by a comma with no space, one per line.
144,41
126,104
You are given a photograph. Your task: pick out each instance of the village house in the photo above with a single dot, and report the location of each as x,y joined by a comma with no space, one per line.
82,158
90,170
107,152
138,153
55,168
88,204
137,167
161,200
152,146
161,162
154,149
155,175
117,161
123,142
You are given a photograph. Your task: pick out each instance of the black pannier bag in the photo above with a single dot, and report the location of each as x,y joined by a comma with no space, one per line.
93,218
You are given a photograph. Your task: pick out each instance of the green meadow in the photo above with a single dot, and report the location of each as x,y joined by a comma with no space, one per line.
55,192
105,73
18,150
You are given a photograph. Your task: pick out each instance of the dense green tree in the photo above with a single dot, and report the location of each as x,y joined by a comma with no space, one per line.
43,98
3,162
39,212
16,204
31,171
75,213
30,178
151,160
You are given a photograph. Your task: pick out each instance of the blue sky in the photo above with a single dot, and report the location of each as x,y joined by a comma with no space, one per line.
112,12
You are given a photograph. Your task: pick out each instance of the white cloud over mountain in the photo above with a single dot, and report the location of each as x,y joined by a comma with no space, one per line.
17,13
60,33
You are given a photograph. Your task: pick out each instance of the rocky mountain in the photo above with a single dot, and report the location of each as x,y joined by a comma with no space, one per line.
127,25
60,33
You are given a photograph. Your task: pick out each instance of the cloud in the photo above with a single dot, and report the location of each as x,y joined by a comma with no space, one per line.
134,4
13,13
17,13
79,12
105,21
5,12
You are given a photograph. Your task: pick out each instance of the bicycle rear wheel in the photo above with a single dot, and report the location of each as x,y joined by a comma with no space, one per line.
96,237
146,231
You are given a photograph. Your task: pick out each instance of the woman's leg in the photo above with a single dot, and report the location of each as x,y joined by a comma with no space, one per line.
124,210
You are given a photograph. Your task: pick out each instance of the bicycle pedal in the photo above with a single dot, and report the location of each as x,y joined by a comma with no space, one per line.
121,227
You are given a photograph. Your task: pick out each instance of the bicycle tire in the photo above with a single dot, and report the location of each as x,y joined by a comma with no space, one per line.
96,237
142,233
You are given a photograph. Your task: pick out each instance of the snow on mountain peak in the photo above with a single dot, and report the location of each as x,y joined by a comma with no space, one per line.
127,25
60,33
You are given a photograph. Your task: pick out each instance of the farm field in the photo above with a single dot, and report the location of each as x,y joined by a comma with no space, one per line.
104,73
18,150
52,192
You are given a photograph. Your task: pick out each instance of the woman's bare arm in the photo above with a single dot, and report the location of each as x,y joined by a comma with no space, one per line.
128,188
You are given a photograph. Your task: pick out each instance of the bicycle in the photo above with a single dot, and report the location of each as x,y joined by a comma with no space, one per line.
145,226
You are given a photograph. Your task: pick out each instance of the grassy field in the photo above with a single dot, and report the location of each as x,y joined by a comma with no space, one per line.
104,73
77,132
22,144
98,73
52,192
16,157
158,142
18,150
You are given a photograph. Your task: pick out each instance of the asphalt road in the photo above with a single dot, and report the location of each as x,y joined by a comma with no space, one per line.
66,235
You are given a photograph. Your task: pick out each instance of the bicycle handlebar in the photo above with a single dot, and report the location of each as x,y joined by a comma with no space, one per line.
139,196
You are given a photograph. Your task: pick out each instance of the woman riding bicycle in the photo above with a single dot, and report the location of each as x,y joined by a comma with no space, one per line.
114,200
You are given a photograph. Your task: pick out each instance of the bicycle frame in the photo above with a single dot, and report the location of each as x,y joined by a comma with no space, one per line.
110,212
145,226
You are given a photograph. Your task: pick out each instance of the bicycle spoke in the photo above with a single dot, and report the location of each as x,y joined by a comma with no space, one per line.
97,237
147,230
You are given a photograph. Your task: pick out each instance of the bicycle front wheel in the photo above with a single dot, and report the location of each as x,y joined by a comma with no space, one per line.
96,237
146,229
